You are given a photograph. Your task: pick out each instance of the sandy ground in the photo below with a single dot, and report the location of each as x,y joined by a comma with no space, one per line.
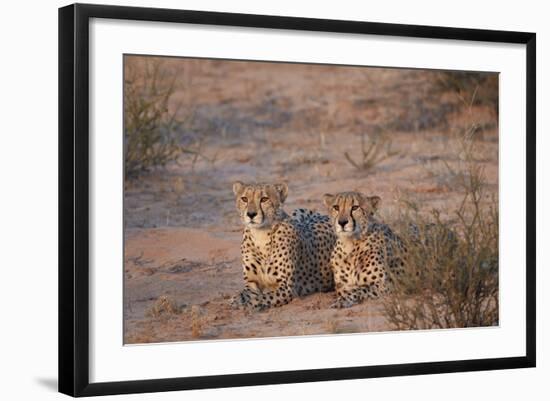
199,271
293,123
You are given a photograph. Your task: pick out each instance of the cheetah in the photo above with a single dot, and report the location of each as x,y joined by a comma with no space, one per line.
365,248
282,256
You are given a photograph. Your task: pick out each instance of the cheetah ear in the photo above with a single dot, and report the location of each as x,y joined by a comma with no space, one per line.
374,202
328,199
238,188
282,190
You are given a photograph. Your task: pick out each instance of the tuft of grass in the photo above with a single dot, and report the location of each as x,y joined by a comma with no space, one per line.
196,322
450,277
163,306
374,150
331,326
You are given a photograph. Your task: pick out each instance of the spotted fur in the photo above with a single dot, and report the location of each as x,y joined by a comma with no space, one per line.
282,256
365,249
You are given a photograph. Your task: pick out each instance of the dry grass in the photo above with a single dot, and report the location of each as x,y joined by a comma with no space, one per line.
149,126
196,322
374,150
164,306
331,326
451,272
480,88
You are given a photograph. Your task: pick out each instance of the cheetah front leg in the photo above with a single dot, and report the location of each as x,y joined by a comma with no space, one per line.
258,299
278,294
270,298
348,296
245,297
251,266
281,268
249,296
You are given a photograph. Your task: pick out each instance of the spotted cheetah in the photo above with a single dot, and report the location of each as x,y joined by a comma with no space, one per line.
282,256
365,248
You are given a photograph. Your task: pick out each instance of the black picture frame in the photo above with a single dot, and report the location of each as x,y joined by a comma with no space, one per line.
74,198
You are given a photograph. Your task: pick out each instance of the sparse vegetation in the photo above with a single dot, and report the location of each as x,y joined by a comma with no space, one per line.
374,150
163,306
481,88
149,125
451,274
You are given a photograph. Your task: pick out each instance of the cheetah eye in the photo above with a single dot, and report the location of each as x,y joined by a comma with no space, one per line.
244,199
336,207
355,207
264,199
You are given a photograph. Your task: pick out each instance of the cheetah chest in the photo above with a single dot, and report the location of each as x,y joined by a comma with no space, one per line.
260,250
352,260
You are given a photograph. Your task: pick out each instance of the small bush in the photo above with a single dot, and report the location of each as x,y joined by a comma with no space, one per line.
149,125
164,305
374,150
451,271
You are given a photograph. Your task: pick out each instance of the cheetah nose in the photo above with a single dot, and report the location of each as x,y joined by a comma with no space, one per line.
342,222
251,214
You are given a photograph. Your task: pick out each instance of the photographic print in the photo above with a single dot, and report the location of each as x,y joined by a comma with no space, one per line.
271,199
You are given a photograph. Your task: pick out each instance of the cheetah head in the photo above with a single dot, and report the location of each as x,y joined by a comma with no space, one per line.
348,210
259,205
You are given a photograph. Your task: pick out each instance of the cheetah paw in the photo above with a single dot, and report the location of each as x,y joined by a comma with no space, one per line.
342,303
237,302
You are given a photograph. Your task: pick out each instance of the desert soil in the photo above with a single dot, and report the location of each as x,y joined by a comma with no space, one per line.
280,122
